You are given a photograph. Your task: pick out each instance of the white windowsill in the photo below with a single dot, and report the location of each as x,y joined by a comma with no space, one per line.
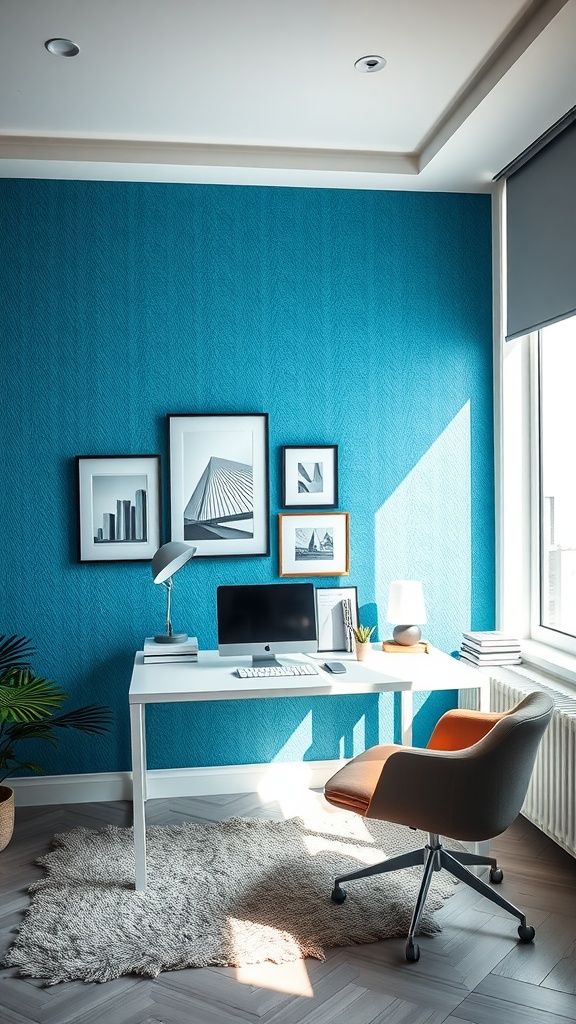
551,663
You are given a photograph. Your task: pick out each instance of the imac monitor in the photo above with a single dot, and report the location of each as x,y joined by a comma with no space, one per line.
265,620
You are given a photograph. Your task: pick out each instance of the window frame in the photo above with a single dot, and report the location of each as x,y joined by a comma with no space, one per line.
517,485
546,635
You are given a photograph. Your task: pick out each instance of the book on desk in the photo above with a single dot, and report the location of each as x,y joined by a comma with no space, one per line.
170,654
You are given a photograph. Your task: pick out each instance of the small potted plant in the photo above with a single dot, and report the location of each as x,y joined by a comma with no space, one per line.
29,706
362,636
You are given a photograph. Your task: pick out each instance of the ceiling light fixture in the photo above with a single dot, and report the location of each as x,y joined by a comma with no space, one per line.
62,47
370,63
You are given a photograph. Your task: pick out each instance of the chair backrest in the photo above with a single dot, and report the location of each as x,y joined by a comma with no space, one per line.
507,755
470,794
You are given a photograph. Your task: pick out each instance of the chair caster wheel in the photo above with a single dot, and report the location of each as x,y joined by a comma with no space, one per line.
526,933
412,952
338,895
496,875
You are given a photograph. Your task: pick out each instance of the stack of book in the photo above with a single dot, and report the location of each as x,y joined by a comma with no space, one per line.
490,647
170,654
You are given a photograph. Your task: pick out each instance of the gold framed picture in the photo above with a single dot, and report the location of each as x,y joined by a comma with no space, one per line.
314,544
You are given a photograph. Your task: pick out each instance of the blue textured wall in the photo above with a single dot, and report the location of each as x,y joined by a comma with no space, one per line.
361,319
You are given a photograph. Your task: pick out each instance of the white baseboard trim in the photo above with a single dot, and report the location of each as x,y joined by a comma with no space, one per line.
265,779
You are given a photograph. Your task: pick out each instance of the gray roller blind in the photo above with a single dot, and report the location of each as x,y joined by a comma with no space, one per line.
541,236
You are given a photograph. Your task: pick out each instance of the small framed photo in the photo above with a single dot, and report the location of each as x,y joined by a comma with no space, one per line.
314,544
337,617
219,483
118,507
310,476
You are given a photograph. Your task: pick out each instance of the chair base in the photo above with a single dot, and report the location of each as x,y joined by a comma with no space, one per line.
434,857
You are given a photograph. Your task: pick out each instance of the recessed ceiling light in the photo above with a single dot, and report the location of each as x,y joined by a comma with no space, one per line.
370,63
62,47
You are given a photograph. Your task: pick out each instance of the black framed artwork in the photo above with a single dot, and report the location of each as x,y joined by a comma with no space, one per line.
219,497
119,508
310,476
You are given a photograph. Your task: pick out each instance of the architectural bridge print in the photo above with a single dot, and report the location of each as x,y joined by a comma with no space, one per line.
223,496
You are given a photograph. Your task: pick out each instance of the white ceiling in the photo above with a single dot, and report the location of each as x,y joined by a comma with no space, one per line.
265,91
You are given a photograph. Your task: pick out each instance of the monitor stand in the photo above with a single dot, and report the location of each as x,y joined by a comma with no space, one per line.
264,660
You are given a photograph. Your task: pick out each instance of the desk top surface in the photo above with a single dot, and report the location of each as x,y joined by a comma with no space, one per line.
214,678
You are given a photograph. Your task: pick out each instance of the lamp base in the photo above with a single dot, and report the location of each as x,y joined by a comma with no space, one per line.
171,638
407,635
392,648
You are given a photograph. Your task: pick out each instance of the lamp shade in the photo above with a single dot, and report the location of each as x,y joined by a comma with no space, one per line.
406,602
169,558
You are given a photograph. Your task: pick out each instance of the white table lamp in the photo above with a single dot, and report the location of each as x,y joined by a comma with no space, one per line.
406,607
167,560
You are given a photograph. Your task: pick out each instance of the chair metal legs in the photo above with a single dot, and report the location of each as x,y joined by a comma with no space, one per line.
412,948
455,867
403,860
434,857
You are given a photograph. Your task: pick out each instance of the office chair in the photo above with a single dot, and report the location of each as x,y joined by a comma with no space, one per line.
469,783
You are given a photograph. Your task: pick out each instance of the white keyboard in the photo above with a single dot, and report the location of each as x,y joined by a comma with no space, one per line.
277,670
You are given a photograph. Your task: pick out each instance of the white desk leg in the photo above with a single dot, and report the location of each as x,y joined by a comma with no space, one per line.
138,742
406,717
144,756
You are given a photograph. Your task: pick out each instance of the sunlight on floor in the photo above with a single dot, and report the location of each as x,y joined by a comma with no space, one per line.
363,854
287,785
291,979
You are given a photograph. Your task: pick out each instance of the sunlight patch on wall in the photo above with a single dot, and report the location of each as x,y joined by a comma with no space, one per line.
288,783
359,735
298,743
423,532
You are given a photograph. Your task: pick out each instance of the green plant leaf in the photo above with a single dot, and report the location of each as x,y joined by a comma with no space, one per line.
91,718
29,706
14,652
363,633
25,697
16,731
17,765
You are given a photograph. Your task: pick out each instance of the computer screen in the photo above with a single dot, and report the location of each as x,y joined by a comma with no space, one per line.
266,619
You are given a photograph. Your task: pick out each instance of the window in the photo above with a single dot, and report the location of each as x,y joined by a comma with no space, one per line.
556,368
536,490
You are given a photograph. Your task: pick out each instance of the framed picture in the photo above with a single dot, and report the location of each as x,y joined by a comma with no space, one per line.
314,544
219,482
118,507
310,476
337,616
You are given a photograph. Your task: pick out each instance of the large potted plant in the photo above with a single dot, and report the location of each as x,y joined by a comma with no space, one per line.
30,710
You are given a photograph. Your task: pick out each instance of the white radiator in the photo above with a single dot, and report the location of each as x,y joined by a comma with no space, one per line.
551,798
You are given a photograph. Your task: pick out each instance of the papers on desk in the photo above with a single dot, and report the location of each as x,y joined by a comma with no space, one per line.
170,654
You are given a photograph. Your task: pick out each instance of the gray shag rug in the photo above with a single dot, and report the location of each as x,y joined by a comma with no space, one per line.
234,893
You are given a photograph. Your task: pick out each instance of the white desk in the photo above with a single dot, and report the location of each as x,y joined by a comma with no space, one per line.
213,678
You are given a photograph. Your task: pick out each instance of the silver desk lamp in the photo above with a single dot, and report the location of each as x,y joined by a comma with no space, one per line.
167,560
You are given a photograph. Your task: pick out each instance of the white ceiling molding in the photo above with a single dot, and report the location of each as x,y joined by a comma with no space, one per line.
203,92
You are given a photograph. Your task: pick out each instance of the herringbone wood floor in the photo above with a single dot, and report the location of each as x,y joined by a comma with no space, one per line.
473,971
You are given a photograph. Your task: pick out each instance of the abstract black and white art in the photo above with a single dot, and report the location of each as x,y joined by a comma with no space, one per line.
118,507
219,482
310,476
313,544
